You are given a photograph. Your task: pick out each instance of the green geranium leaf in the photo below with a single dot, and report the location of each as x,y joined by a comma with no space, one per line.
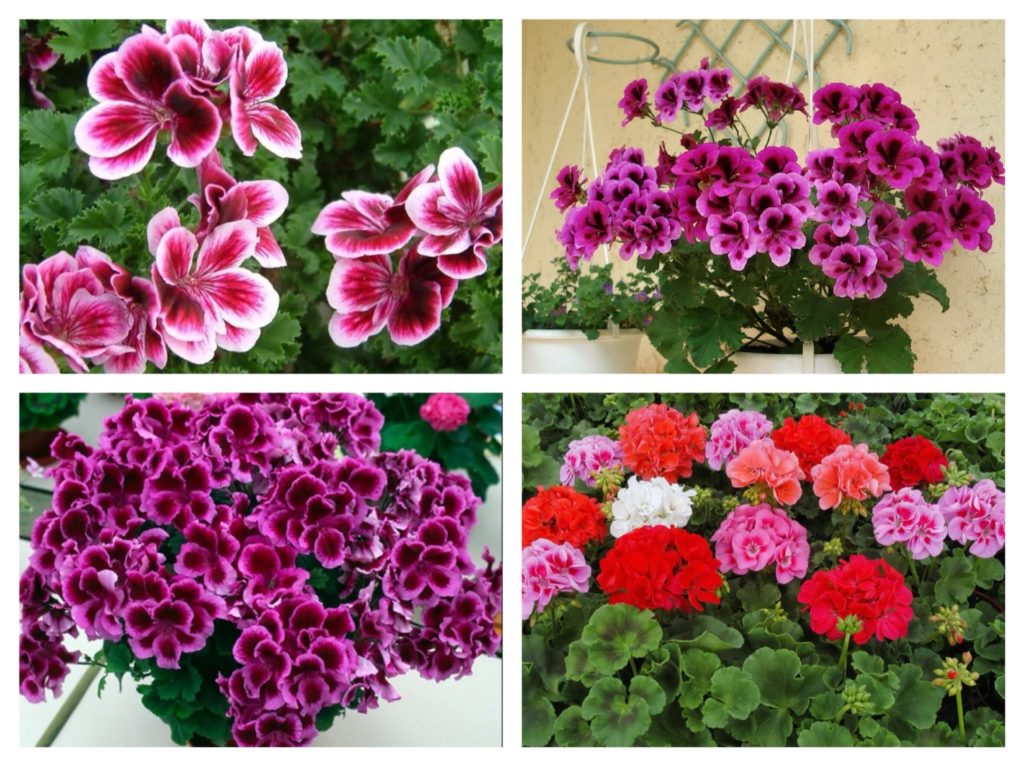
663,666
616,633
956,579
699,666
648,689
866,662
821,734
572,729
777,675
770,727
917,702
737,693
538,718
615,719
711,634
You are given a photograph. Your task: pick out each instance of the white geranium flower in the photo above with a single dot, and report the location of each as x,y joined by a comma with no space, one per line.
643,503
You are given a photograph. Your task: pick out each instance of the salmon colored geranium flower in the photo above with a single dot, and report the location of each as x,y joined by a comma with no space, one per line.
849,473
761,463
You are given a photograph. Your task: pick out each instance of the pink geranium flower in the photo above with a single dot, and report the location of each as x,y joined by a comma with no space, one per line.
212,302
367,224
33,358
258,76
222,200
142,92
849,473
368,295
460,221
761,463
837,207
778,231
65,304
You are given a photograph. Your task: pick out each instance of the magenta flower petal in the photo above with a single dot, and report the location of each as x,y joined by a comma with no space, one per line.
265,201
363,224
358,285
104,83
125,164
195,126
268,252
243,299
226,247
163,222
147,67
114,127
238,339
353,328
198,352
174,254
418,316
276,130
416,181
459,180
33,358
463,266
422,207
265,72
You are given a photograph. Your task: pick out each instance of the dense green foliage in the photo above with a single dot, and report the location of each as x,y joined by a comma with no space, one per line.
47,411
376,101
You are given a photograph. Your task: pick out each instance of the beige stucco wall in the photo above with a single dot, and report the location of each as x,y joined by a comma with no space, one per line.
950,73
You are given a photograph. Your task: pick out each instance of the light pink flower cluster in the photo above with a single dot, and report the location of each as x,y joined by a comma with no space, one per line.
587,456
440,228
761,463
752,538
187,81
550,569
200,297
906,517
976,515
733,431
849,473
445,412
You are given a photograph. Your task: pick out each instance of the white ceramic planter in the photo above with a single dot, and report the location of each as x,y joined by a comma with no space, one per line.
808,362
569,351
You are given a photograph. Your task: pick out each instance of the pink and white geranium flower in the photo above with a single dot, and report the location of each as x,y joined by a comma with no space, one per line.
142,92
368,295
258,76
367,224
459,220
66,305
208,300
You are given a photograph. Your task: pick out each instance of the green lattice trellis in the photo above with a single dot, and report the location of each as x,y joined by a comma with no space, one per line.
718,52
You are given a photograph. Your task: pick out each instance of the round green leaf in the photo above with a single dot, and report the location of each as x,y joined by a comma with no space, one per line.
614,720
777,675
699,666
712,635
615,633
822,734
648,689
538,721
736,690
571,729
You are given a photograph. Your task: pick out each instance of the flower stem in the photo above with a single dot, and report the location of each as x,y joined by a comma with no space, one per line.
960,716
842,654
913,569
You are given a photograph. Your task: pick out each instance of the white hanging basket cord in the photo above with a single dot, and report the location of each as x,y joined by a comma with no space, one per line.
582,76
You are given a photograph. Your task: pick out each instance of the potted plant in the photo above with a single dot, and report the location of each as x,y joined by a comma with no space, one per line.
256,564
585,322
756,250
40,417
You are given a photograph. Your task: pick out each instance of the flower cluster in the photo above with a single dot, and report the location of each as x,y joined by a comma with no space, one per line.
870,590
665,568
914,461
763,466
187,81
858,211
850,473
550,569
439,225
648,502
906,517
658,441
976,514
810,438
587,456
336,566
752,538
561,515
445,412
731,432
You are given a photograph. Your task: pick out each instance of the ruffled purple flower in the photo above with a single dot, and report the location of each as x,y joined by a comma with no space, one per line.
550,569
836,103
854,269
634,102
892,155
778,159
837,207
969,218
731,432
587,456
731,236
778,232
171,620
825,241
570,189
926,237
976,514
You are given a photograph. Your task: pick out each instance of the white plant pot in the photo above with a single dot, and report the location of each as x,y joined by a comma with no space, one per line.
765,362
569,351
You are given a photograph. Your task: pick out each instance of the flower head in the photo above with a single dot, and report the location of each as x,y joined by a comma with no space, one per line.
587,456
913,461
550,569
752,538
904,516
642,503
765,466
634,102
445,412
561,515
976,514
850,472
731,432
660,441
810,438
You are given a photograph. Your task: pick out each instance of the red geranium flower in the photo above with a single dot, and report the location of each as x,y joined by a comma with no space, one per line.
661,568
913,461
562,515
811,438
658,441
869,589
